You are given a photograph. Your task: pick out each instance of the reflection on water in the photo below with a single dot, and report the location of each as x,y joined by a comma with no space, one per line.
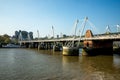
92,68
27,64
117,61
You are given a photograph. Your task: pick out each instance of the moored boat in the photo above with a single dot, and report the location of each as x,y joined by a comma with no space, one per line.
11,46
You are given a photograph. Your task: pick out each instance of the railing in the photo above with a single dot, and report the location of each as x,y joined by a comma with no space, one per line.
100,37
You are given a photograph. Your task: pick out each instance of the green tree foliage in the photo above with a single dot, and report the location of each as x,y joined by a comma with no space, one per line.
1,39
5,39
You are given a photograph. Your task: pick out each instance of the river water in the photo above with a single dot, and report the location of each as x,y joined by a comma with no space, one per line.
28,64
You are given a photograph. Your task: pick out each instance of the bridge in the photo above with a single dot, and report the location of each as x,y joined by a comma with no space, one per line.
113,36
98,42
92,41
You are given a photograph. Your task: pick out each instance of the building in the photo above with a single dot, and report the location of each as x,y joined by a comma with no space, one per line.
23,35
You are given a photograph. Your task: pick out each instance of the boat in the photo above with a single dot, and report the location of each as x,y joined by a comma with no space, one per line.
11,46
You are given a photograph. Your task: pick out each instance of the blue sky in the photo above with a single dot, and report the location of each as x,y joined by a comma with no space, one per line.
33,15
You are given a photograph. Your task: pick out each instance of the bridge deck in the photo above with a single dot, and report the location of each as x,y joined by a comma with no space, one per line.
115,37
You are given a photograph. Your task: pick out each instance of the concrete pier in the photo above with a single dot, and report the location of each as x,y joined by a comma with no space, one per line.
70,51
96,47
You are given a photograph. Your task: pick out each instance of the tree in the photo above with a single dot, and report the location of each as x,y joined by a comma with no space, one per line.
1,39
5,39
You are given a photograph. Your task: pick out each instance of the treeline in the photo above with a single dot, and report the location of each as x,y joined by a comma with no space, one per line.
4,39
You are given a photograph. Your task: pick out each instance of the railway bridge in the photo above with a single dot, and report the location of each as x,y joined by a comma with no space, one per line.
99,43
70,46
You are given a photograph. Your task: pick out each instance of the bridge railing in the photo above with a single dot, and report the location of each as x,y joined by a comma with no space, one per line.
96,37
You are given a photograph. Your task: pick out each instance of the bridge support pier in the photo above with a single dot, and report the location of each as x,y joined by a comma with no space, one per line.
57,46
97,47
101,47
38,46
31,45
70,51
41,46
45,46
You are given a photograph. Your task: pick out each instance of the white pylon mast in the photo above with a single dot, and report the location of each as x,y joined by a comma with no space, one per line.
118,28
76,27
38,34
83,26
53,31
75,32
20,36
108,29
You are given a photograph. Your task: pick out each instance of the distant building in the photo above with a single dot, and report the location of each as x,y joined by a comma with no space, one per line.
23,35
31,35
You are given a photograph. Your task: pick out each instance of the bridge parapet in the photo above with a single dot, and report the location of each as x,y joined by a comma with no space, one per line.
113,37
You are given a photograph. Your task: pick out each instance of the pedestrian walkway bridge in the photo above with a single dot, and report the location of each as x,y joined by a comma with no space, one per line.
97,42
113,37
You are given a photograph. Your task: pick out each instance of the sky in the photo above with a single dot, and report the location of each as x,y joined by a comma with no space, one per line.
41,15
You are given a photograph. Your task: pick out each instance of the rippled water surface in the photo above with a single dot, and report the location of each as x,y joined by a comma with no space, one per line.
27,64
